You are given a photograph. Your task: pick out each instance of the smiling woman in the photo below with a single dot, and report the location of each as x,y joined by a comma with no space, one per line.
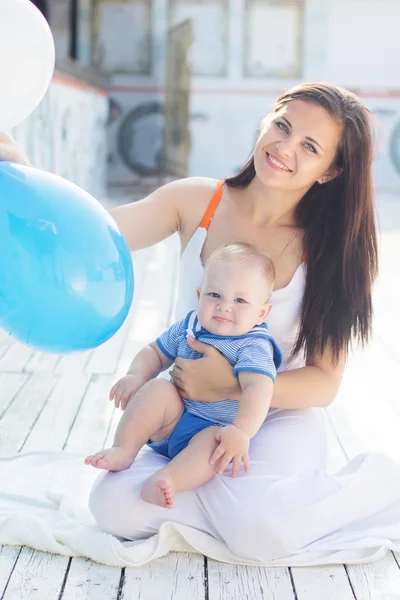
306,198
311,135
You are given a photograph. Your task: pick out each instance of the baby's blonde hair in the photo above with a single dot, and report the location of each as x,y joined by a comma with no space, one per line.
242,252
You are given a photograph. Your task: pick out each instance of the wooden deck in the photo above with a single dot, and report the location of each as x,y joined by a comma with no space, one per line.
51,402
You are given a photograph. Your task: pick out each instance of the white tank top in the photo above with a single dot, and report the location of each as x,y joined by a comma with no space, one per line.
283,320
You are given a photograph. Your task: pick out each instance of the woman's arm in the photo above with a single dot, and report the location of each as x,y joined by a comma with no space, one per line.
148,221
211,379
316,384
156,217
142,223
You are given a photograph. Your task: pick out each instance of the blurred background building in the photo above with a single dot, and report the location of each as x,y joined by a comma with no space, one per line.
144,89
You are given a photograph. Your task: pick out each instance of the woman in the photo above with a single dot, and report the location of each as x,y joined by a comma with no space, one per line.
306,197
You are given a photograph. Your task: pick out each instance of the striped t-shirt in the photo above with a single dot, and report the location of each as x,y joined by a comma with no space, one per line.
256,351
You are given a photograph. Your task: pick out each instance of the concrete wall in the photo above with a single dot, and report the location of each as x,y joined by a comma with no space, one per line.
67,133
354,44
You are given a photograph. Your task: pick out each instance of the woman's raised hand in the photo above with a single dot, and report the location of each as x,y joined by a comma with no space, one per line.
11,151
207,379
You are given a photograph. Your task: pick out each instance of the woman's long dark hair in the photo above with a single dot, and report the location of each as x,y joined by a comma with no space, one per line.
338,221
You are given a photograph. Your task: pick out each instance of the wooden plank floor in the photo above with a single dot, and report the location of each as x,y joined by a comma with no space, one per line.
53,403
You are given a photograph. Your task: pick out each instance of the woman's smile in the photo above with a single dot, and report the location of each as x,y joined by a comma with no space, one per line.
274,163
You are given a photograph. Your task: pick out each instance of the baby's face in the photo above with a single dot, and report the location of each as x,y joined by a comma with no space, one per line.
233,298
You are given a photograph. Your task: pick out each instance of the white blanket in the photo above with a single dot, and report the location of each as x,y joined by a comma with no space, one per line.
43,504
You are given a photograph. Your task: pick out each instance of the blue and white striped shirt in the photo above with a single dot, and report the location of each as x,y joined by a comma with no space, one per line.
256,351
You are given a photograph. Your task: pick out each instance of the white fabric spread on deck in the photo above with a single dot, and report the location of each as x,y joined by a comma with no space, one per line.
43,504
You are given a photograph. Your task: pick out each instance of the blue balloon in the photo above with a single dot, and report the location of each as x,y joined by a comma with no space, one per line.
66,274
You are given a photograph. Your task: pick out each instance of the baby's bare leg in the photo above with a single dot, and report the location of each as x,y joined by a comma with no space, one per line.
188,470
153,412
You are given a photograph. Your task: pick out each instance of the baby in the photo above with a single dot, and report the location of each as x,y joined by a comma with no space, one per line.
201,438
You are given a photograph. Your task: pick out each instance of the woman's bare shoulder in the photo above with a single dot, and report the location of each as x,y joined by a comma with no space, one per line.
200,186
177,206
192,196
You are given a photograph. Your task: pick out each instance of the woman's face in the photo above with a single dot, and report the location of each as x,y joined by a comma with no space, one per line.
296,147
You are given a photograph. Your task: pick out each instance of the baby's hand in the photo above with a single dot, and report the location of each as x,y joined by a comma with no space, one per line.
233,444
123,390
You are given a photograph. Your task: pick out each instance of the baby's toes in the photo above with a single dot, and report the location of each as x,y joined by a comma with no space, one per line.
98,458
94,459
103,462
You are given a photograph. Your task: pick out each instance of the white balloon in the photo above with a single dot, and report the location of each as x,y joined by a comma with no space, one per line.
26,60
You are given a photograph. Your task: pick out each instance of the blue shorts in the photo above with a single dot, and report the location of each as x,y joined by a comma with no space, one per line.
186,428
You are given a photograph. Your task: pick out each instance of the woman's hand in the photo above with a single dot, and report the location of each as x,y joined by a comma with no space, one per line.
207,379
11,151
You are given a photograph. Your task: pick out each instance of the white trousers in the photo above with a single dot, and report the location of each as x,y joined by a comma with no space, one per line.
286,503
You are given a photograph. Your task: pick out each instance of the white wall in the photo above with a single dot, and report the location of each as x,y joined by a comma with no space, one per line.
67,135
363,43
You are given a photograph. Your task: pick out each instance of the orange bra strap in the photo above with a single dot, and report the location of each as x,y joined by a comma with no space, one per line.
211,208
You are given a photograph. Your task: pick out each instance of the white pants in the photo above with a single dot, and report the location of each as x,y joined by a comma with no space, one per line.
233,510
287,504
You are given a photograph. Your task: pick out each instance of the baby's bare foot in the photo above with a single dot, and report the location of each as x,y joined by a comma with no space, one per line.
111,459
158,491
